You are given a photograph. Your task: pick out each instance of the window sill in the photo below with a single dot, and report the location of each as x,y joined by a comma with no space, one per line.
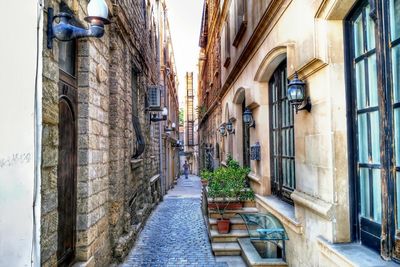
282,210
136,163
351,254
154,178
240,33
254,177
227,62
318,206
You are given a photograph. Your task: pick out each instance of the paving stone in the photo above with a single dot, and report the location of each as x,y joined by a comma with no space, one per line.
175,234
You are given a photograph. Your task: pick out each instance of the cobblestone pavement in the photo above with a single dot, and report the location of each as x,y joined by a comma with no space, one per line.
175,234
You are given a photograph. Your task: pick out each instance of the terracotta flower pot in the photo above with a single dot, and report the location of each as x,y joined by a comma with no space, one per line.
223,226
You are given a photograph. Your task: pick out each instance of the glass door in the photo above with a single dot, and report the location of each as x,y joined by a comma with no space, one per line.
282,136
366,127
394,21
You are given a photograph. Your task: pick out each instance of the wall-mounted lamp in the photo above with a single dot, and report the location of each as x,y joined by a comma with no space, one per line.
296,94
178,144
222,129
59,26
170,129
229,127
164,115
248,118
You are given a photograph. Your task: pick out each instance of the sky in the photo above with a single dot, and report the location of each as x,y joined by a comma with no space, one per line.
184,20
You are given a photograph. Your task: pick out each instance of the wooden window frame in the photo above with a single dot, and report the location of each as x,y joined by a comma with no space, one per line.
246,139
390,244
240,22
227,32
277,186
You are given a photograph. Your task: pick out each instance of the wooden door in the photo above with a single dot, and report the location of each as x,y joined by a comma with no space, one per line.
67,166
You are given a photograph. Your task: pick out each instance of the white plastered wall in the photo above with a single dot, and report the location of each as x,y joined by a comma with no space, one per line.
19,235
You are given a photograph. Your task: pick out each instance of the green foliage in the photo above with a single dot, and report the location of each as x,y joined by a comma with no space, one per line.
228,184
231,163
201,110
206,175
181,116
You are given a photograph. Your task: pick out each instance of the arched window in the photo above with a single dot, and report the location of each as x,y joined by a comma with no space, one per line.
282,136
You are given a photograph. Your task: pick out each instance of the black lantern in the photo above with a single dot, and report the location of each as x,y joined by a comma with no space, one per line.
248,118
296,94
222,129
229,127
164,115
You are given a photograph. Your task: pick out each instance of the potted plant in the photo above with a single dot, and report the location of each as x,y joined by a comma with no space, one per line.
227,190
205,176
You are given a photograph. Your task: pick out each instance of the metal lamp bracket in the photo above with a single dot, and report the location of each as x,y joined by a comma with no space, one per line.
307,106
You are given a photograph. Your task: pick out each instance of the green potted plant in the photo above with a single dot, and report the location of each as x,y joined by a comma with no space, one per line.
227,190
205,176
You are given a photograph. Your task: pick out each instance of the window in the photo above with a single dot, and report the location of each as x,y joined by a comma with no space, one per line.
135,92
282,136
227,43
144,11
139,146
246,139
240,21
374,94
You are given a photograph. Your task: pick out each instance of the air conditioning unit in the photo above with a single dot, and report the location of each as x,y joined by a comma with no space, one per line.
154,98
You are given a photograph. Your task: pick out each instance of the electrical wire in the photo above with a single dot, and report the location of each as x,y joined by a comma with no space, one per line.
37,141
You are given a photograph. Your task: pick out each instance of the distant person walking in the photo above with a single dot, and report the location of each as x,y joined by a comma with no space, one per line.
186,169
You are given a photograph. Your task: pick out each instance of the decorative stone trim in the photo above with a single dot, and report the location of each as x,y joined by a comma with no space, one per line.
318,206
350,254
154,178
283,211
310,68
332,254
136,163
254,177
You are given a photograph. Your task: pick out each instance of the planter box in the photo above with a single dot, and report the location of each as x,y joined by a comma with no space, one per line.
237,205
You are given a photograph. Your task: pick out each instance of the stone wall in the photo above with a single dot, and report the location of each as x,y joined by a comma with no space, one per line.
113,194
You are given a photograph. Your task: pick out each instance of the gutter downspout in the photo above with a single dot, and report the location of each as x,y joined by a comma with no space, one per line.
36,205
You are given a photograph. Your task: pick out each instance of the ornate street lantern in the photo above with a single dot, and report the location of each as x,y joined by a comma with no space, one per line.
296,94
222,129
164,115
229,127
248,118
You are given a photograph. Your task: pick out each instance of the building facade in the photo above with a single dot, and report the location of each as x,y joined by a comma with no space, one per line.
170,83
101,169
329,175
191,152
209,86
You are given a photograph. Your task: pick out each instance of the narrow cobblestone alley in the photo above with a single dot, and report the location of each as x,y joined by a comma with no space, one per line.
175,233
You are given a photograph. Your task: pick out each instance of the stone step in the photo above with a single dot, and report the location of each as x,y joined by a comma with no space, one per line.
237,223
232,236
231,213
226,249
252,258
